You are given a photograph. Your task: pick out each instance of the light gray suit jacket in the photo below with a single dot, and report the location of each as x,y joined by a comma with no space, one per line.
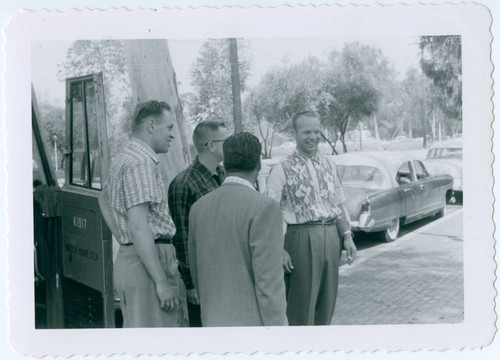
235,256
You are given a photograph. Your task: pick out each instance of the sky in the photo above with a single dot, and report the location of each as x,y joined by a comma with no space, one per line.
402,52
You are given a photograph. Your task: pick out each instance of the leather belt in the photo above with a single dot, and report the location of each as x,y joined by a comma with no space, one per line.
164,240
160,240
324,222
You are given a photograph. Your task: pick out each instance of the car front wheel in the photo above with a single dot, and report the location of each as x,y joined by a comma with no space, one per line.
391,233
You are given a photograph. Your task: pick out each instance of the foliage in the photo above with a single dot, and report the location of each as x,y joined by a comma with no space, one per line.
85,57
441,62
211,79
351,88
52,121
281,93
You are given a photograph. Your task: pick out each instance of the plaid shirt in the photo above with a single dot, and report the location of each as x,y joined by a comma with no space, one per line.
184,190
135,178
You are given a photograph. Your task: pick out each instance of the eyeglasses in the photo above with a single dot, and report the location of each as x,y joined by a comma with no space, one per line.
213,141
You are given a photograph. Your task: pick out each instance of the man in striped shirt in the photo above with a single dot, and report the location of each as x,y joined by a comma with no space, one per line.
146,275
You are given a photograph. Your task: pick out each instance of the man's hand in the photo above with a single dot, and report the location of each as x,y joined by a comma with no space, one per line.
168,297
192,296
287,262
350,248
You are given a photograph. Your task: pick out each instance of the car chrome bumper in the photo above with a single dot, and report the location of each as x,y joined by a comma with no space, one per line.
365,223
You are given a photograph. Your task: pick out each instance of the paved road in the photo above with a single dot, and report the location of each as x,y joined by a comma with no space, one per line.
418,279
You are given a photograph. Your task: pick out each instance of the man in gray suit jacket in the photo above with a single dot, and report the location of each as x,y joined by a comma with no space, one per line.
235,245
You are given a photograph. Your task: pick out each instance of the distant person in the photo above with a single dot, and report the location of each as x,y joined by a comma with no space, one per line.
134,204
201,177
235,245
311,196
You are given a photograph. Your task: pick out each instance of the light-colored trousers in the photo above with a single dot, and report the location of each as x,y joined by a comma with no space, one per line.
311,288
136,289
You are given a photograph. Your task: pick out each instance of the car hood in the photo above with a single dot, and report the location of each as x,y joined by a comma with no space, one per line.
355,197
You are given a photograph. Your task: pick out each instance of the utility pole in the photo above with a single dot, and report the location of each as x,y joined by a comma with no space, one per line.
54,138
235,82
360,136
425,98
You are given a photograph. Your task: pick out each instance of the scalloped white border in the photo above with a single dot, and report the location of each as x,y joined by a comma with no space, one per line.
471,21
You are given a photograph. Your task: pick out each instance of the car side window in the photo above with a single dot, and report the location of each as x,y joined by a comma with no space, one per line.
404,174
421,171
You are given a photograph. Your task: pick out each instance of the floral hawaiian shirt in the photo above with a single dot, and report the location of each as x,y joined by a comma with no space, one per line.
308,189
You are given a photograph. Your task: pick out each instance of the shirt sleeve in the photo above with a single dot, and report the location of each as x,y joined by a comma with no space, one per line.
275,186
343,220
179,204
275,183
339,188
140,185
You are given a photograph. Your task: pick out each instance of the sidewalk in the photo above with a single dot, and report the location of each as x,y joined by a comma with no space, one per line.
418,279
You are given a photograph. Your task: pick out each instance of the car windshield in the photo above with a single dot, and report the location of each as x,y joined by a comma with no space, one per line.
364,176
445,153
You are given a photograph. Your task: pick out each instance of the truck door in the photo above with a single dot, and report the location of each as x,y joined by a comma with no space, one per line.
86,282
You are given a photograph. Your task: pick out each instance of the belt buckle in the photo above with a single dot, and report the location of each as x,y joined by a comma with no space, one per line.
323,222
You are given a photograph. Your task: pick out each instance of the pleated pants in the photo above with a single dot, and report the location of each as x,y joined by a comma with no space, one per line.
136,289
311,288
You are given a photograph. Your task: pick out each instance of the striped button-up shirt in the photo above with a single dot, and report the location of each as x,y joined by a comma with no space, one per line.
135,178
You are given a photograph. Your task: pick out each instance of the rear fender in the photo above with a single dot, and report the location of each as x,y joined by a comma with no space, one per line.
386,206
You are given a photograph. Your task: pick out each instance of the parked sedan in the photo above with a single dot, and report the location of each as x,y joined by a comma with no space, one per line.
446,158
385,189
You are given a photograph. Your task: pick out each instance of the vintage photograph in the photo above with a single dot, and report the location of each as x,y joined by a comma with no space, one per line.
287,181
388,114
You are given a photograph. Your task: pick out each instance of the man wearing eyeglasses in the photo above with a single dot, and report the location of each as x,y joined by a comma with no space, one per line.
201,177
235,245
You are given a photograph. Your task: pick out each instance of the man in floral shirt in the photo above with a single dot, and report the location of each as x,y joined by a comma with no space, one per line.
311,196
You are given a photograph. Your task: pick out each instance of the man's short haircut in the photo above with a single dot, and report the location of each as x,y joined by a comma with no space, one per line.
204,132
146,109
306,113
241,153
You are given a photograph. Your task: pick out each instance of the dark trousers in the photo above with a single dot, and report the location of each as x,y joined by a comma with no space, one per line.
311,288
194,315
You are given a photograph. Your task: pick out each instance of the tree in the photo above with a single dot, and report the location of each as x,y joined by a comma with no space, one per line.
282,92
348,92
211,79
441,62
52,121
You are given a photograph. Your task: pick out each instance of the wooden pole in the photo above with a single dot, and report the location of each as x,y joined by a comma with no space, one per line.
235,82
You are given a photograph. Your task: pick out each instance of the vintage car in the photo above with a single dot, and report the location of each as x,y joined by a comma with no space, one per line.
386,189
446,158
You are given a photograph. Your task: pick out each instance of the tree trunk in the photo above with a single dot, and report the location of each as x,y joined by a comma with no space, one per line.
344,147
334,152
360,136
152,77
235,81
375,127
271,142
433,125
264,138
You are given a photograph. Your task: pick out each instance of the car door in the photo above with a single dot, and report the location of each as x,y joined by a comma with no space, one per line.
409,190
429,189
